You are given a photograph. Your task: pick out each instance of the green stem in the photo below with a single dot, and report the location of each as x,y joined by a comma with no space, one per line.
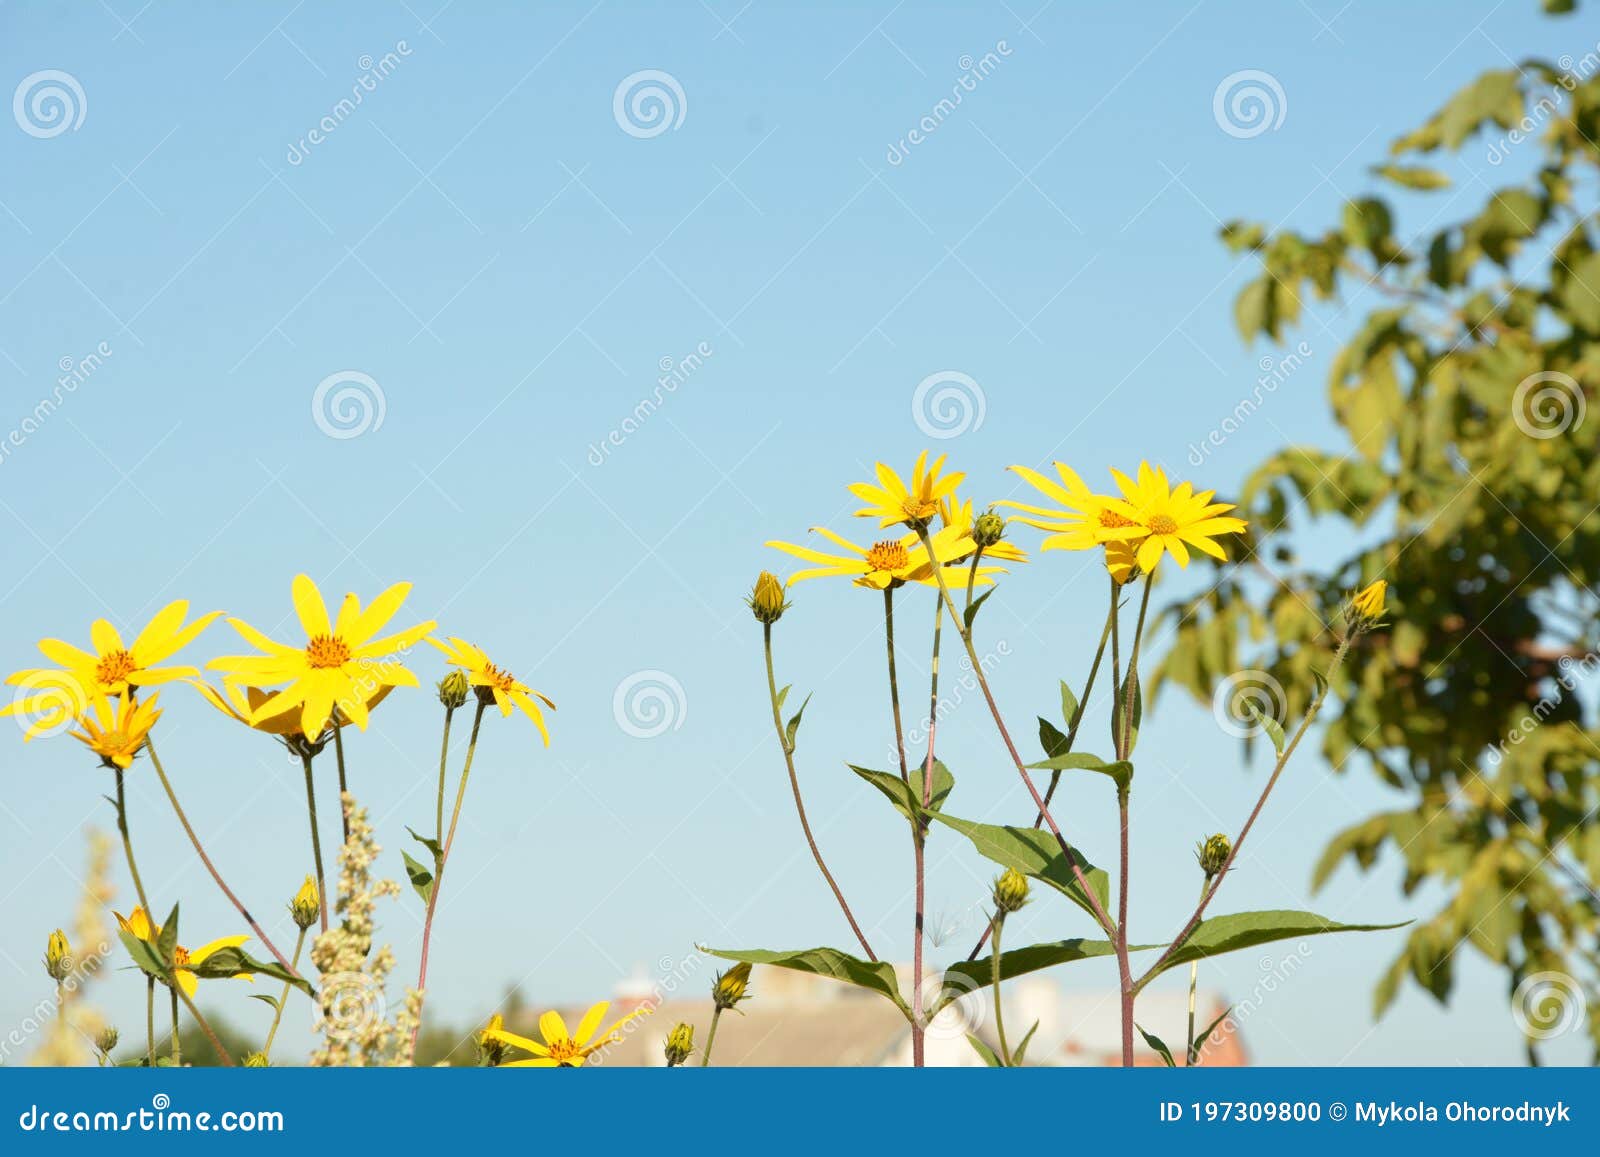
919,839
1096,908
127,846
222,1053
1277,771
1130,690
894,682
999,1012
799,802
177,1046
1190,1052
277,1014
316,840
1072,734
1124,748
338,753
444,753
200,851
711,1037
150,1021
444,855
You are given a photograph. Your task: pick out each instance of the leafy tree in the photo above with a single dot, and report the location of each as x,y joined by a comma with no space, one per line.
1471,482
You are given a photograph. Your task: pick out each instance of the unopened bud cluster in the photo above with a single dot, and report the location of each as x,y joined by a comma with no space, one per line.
680,1044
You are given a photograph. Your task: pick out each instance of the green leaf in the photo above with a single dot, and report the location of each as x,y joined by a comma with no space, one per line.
908,800
421,877
1580,293
983,1051
143,955
167,940
875,977
1020,1053
1205,1034
1069,704
1035,854
1051,739
1119,770
1230,933
1017,962
265,998
784,694
794,725
431,844
228,962
1413,177
1271,726
1159,1045
971,612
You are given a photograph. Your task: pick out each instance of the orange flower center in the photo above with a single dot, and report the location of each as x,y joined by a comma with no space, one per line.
327,651
888,555
114,667
503,680
1163,524
180,956
563,1051
919,509
1111,520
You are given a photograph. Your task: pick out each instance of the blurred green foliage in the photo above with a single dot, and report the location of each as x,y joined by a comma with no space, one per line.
1471,482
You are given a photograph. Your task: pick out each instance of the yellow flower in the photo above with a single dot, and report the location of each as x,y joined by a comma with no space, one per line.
1368,603
491,1051
891,562
496,682
117,733
243,704
766,599
57,955
57,694
559,1047
306,906
731,986
138,924
1172,519
1121,560
1084,519
892,501
342,665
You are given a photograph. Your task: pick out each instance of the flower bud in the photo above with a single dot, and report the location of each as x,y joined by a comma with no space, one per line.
257,1061
491,1050
107,1039
680,1043
731,986
57,956
453,689
306,907
989,529
1010,890
1213,853
1366,606
766,600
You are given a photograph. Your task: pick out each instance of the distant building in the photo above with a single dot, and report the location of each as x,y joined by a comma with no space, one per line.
795,1019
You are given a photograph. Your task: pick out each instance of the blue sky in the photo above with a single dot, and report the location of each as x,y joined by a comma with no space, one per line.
510,270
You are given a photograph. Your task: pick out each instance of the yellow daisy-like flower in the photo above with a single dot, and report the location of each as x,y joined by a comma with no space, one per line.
1369,601
1122,560
55,695
1083,520
497,682
117,733
1173,519
139,924
243,704
892,562
560,1048
892,501
342,665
